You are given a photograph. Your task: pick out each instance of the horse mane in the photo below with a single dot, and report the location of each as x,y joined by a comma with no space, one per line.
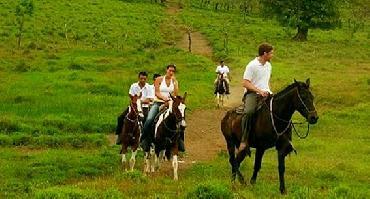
286,89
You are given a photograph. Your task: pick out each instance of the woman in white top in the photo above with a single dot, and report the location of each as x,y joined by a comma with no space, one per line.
163,86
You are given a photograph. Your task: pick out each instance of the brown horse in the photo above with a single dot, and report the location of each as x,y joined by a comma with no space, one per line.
167,132
130,135
272,128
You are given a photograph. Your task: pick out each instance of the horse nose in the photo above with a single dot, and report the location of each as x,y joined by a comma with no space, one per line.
313,119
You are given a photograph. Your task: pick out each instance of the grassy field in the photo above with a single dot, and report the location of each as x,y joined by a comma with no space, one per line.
61,93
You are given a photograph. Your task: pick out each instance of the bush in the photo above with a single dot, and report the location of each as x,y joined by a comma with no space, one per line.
8,126
135,176
210,190
5,140
22,140
22,67
64,193
102,89
76,193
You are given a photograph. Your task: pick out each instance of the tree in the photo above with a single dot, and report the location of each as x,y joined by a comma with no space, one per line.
303,14
23,9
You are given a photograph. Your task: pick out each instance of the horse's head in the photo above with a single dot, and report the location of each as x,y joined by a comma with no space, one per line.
178,109
304,103
135,102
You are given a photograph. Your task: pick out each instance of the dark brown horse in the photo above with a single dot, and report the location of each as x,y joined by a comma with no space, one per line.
272,128
130,134
167,131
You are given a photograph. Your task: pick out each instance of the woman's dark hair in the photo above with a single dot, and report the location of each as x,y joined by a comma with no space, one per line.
171,66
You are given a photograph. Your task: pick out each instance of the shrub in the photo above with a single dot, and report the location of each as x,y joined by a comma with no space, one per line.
21,67
210,190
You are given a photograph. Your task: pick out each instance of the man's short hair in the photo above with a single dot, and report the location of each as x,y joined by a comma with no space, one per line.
171,66
156,75
143,73
222,61
264,48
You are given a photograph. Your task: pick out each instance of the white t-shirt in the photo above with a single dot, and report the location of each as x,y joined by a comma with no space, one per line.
152,91
135,89
258,74
223,70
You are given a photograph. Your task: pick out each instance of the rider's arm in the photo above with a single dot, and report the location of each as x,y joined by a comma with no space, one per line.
158,94
250,87
176,89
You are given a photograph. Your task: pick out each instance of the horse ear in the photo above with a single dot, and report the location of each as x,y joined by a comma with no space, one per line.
295,81
183,98
308,82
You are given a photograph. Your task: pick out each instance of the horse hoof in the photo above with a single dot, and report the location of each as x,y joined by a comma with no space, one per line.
283,191
253,181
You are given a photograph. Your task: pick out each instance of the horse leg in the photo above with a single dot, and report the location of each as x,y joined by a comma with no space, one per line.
239,159
123,156
231,149
147,162
123,161
133,160
175,163
218,99
159,159
257,164
281,161
153,158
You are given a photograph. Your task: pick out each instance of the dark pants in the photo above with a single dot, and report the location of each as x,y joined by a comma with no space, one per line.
148,126
250,103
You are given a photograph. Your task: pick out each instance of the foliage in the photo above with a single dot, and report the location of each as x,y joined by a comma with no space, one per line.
303,14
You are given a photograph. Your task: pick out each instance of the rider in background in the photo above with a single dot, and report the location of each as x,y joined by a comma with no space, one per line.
140,88
224,70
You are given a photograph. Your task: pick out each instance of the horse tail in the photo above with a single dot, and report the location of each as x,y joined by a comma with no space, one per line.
226,127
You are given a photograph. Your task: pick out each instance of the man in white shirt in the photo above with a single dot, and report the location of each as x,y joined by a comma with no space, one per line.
256,81
152,88
223,70
140,88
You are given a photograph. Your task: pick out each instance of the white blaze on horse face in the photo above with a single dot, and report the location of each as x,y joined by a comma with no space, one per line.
170,103
139,108
182,108
175,165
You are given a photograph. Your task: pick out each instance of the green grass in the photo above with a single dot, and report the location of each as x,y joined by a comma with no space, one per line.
59,98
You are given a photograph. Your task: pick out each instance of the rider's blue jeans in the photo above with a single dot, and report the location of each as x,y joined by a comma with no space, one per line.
154,110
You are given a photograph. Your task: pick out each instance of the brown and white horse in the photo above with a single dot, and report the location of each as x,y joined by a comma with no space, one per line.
167,130
220,90
130,135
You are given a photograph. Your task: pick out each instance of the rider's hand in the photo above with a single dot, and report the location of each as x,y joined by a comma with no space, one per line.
166,99
264,93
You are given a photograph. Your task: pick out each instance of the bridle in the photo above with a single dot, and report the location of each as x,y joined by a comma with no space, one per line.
289,123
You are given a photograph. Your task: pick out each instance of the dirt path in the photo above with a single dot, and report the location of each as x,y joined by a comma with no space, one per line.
203,137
